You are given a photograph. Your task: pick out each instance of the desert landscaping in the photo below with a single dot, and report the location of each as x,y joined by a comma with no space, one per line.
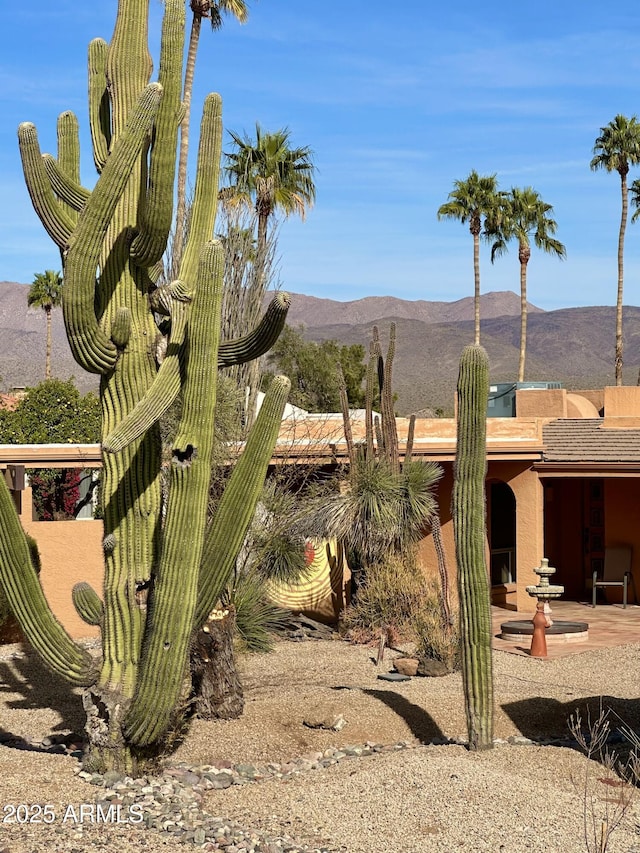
396,776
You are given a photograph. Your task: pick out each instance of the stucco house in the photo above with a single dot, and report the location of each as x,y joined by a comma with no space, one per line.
563,482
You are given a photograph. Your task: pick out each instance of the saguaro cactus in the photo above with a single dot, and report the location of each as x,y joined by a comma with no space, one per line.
469,514
164,568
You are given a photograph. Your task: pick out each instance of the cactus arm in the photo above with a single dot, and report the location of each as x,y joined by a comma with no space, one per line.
346,417
165,652
468,504
235,511
261,339
205,199
99,103
69,155
156,214
408,451
374,356
162,392
166,384
29,605
56,222
91,348
386,404
87,603
71,193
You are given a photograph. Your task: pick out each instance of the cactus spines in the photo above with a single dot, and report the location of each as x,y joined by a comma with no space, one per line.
99,103
87,603
469,521
237,505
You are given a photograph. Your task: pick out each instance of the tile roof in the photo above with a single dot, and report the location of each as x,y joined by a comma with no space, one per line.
586,440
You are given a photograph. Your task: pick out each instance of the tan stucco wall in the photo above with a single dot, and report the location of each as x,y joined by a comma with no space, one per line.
527,489
541,403
579,406
621,406
528,493
70,552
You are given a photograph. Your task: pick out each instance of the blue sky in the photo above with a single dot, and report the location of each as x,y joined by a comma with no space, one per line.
396,102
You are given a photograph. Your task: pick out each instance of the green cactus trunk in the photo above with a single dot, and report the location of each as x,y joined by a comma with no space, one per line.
163,570
469,520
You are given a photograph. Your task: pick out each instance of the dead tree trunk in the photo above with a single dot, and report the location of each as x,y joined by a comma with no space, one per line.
217,687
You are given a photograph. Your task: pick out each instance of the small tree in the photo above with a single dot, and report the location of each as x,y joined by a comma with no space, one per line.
313,369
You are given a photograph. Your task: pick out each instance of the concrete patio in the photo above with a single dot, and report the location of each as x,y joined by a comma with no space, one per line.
609,625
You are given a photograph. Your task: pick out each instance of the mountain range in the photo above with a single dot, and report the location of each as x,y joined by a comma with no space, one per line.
570,345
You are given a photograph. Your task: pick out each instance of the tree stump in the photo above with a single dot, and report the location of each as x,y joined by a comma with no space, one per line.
217,687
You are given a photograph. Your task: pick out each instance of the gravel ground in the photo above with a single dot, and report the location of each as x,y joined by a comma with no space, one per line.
320,789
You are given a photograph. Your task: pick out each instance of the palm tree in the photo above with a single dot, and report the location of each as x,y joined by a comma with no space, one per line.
617,149
523,215
470,201
214,11
269,174
266,174
46,293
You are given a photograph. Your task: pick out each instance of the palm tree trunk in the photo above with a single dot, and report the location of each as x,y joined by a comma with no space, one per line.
181,204
476,296
525,254
623,227
47,358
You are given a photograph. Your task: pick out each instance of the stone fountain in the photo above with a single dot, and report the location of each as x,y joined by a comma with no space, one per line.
544,592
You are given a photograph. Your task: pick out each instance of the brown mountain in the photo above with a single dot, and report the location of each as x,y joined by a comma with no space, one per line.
312,311
573,345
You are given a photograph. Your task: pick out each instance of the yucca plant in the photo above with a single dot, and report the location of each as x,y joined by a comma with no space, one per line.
385,502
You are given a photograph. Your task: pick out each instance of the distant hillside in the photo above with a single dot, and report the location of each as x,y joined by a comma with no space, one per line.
312,311
573,345
22,343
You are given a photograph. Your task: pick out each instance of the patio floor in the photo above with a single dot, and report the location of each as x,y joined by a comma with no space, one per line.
609,625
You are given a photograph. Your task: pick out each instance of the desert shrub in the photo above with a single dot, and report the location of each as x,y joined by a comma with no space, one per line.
390,597
256,617
437,639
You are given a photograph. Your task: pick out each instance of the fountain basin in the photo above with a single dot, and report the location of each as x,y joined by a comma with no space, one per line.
563,631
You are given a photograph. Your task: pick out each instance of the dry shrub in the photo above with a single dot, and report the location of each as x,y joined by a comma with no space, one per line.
437,639
389,598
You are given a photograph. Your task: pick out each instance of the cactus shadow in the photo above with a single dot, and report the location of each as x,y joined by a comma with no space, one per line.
25,684
541,717
422,725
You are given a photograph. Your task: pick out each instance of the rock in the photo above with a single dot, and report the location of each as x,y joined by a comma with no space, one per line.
406,666
321,720
433,668
393,676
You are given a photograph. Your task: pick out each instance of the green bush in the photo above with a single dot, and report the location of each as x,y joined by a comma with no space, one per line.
54,412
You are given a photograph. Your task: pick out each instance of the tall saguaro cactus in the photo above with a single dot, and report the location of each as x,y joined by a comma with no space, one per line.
164,567
469,518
